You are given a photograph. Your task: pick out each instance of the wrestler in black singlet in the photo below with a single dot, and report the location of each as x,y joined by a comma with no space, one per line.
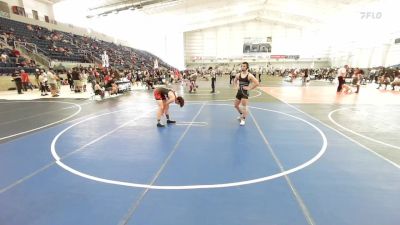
161,93
243,82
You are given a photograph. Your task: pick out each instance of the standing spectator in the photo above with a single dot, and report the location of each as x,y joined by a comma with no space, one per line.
52,81
342,84
232,76
357,77
105,59
70,80
84,79
305,76
213,78
25,81
77,80
92,79
43,82
37,73
18,81
59,82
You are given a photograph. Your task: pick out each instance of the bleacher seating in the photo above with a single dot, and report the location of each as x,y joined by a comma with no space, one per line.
11,64
62,46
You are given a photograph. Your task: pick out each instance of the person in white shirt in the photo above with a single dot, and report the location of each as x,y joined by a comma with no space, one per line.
105,59
213,76
52,81
342,86
4,57
43,82
232,75
84,79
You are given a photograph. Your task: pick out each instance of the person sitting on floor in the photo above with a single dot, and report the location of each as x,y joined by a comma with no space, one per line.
98,90
396,82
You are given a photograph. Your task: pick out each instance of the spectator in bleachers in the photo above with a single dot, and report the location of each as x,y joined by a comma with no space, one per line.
60,49
105,59
15,53
32,63
22,62
47,41
4,57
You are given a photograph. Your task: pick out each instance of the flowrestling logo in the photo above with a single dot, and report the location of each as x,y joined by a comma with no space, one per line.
370,15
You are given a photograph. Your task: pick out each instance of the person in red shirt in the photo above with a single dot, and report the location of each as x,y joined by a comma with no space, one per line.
107,78
25,81
16,54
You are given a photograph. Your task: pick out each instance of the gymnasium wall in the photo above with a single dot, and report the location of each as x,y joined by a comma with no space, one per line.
364,36
226,42
42,7
377,54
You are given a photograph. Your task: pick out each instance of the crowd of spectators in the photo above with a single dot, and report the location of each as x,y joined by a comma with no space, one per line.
134,65
63,46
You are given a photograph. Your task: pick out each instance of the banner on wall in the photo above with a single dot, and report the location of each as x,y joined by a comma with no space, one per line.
4,10
17,10
155,64
257,45
285,57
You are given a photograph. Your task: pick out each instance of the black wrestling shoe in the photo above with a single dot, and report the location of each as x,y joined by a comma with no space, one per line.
160,125
171,121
